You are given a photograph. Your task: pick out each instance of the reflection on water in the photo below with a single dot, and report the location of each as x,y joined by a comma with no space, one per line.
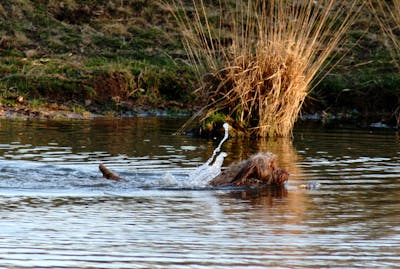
56,211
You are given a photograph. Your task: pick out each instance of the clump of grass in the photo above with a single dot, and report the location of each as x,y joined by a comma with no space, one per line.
257,60
36,103
116,29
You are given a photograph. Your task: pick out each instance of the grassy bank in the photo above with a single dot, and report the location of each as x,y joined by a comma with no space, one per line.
97,55
117,56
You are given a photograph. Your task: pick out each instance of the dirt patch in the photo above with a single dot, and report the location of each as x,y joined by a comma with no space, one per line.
24,112
114,86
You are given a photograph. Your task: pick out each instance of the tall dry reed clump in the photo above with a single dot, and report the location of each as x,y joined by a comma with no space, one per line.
257,59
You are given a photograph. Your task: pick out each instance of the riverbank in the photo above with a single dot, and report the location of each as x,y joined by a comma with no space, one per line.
92,56
351,119
116,58
55,111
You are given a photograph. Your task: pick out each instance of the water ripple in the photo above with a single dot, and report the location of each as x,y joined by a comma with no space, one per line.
56,211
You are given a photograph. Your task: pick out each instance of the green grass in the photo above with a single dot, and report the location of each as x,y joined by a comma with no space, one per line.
72,47
51,52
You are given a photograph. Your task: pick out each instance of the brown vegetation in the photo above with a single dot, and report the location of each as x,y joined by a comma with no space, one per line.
261,77
387,14
114,86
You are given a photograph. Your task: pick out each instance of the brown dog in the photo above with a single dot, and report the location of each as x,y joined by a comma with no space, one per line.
259,170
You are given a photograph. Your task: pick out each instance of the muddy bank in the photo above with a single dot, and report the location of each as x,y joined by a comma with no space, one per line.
350,119
23,112
64,112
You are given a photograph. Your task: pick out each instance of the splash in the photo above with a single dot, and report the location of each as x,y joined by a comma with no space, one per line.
208,170
218,149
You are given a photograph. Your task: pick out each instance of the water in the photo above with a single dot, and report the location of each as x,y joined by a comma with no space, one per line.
56,211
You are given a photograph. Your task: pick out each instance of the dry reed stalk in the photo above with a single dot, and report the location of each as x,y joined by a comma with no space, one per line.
275,49
387,14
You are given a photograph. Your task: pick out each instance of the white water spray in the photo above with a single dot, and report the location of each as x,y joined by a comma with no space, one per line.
207,171
218,149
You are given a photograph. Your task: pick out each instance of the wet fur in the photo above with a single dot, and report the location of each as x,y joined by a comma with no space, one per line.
259,170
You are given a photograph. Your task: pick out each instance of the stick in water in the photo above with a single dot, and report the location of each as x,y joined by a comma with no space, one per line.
108,174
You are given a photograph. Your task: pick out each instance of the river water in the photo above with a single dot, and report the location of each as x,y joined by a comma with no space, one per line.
56,211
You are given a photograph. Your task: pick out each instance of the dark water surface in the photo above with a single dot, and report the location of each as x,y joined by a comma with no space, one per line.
56,211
